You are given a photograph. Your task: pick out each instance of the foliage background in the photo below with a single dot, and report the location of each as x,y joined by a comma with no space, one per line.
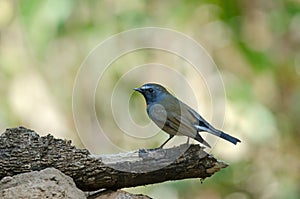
255,45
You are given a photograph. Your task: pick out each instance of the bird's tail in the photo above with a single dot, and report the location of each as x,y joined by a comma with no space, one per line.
229,138
218,133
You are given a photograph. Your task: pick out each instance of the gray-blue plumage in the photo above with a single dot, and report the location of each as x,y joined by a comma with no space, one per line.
175,117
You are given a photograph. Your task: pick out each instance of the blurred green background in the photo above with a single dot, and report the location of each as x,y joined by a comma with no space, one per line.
255,44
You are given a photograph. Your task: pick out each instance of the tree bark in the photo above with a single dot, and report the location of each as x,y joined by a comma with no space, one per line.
23,150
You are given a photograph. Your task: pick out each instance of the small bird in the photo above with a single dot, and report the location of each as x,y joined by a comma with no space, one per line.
175,117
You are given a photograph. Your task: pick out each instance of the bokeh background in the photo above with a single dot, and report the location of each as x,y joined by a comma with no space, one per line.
255,44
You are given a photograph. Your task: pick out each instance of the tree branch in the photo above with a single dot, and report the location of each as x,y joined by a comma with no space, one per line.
23,150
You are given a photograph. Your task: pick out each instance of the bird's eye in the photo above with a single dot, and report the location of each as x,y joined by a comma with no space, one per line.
150,90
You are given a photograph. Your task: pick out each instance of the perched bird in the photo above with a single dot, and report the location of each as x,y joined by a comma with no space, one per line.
175,117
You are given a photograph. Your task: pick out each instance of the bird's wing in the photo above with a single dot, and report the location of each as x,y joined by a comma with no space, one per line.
198,119
192,120
183,120
203,125
175,122
183,125
170,121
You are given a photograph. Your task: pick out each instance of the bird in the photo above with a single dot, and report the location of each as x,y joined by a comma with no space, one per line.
175,117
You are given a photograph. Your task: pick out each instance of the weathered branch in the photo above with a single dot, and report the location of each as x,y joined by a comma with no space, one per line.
23,150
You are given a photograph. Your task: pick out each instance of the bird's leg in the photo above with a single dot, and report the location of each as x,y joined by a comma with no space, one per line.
187,144
171,136
188,141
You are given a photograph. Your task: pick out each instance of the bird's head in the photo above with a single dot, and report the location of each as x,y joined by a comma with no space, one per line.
151,92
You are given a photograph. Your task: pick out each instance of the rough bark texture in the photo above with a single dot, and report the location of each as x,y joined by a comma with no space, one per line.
117,195
48,183
23,150
51,183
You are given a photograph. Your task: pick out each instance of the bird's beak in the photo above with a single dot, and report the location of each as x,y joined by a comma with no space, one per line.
138,89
